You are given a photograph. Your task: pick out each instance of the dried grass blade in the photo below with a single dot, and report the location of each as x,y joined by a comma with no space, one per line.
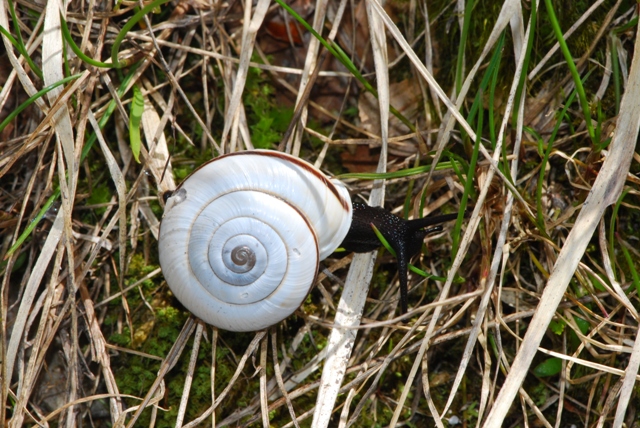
52,70
159,161
40,345
49,247
250,350
356,286
278,373
586,363
98,344
510,8
167,364
606,189
121,189
428,396
52,66
310,63
488,282
393,29
473,223
264,403
27,84
214,353
565,36
249,33
618,292
189,377
342,336
428,60
628,383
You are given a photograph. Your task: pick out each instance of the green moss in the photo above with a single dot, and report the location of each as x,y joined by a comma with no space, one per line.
267,120
100,194
138,267
135,374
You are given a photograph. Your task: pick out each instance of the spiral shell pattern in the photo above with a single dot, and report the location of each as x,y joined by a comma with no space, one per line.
242,236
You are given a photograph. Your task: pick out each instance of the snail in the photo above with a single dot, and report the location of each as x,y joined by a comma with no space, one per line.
242,237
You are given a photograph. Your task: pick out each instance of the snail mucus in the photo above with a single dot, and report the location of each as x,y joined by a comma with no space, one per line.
242,237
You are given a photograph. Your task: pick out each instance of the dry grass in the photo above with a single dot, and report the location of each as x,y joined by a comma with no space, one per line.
541,331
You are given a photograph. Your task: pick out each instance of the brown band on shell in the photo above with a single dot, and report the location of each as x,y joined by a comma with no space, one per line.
308,167
301,163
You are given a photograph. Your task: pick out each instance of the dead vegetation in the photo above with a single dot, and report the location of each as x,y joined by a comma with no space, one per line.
531,316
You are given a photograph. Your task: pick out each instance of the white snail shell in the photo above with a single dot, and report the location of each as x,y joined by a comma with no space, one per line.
242,236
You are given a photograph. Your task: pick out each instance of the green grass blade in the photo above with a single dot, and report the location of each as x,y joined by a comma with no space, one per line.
409,193
612,226
458,163
615,69
344,59
492,96
19,42
491,71
34,97
118,40
468,187
525,65
545,159
629,25
22,50
128,26
85,152
135,116
632,268
402,173
582,96
66,34
33,223
412,268
466,23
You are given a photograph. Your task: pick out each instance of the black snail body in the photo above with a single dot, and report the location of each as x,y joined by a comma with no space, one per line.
242,236
404,236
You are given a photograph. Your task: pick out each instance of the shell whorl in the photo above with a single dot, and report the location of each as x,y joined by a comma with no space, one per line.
242,236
